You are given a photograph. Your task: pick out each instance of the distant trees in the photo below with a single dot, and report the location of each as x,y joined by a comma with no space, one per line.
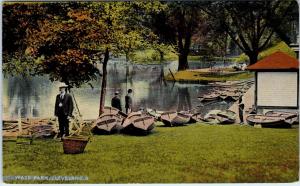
176,25
64,40
251,24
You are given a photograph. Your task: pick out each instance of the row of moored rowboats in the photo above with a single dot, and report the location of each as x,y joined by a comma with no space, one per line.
141,123
112,120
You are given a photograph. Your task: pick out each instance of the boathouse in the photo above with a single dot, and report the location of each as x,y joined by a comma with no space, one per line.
276,82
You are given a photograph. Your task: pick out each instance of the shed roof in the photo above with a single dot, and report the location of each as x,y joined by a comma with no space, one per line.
276,61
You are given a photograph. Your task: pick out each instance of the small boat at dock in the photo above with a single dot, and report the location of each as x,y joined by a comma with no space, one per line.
220,117
267,121
289,117
209,98
174,118
138,123
197,117
106,124
167,117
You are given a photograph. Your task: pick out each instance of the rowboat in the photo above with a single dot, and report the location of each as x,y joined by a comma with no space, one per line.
156,114
181,119
174,118
167,118
106,124
223,120
209,98
220,117
267,121
227,114
138,123
113,111
289,117
197,117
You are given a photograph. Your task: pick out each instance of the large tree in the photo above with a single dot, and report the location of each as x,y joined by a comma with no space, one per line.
175,25
251,24
67,40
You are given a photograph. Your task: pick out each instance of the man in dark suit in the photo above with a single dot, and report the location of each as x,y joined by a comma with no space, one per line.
63,110
128,101
116,102
241,109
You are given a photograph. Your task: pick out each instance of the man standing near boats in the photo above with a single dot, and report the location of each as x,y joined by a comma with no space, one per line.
128,101
63,110
116,102
241,109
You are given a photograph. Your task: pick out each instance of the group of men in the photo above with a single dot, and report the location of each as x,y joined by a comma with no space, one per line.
64,107
116,101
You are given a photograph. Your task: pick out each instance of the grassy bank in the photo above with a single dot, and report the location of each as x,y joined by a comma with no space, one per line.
204,77
195,153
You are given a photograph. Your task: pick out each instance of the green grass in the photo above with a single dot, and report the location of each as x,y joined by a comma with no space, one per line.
281,46
192,154
196,76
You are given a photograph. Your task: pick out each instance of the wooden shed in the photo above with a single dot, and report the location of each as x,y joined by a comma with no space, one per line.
276,82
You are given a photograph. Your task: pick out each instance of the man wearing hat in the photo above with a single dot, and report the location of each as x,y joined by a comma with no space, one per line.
116,102
241,109
128,101
63,110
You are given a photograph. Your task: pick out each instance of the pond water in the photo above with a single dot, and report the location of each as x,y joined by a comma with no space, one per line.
35,96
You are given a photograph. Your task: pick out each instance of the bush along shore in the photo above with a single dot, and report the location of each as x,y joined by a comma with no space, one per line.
204,77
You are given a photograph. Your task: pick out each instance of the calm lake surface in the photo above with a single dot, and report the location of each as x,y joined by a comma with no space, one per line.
35,96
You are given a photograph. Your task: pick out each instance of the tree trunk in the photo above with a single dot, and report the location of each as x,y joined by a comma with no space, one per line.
184,49
253,57
104,80
183,62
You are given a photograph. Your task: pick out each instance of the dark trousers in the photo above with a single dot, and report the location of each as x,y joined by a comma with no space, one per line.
63,125
241,116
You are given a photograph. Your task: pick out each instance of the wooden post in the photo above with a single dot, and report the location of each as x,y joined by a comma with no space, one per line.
19,121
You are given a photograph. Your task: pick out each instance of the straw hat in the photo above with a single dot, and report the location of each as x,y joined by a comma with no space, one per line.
62,85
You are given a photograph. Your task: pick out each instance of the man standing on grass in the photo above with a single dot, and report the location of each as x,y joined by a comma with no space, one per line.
128,101
63,110
241,110
116,102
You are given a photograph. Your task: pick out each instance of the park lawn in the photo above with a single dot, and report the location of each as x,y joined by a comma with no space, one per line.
196,76
192,154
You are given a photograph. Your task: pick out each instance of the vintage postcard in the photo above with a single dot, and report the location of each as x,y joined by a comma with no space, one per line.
150,91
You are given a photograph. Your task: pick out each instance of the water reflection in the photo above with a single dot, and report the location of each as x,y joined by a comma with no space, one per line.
35,96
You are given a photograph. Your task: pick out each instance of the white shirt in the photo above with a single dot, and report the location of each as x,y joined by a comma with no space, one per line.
62,95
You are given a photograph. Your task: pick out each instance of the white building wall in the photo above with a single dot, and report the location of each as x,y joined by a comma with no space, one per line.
277,89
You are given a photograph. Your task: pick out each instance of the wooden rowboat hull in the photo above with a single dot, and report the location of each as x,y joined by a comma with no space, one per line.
179,121
133,130
166,122
105,129
268,122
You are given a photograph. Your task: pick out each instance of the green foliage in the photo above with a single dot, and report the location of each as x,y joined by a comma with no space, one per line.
152,56
198,153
